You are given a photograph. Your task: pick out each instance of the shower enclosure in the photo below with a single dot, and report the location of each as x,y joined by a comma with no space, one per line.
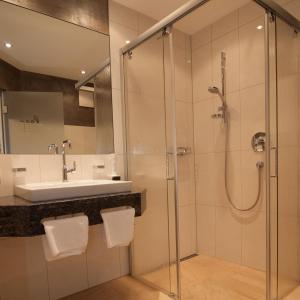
211,124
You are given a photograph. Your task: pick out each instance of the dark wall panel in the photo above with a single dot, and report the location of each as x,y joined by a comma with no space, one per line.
92,14
15,80
9,77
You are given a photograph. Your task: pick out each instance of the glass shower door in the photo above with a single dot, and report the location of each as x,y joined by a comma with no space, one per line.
287,123
150,160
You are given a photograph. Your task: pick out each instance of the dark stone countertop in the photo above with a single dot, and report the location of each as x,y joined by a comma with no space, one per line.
21,218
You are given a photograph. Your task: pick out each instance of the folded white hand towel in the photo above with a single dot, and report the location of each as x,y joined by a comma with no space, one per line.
65,237
118,226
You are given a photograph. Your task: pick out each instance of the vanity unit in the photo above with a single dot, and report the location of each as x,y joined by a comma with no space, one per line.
21,218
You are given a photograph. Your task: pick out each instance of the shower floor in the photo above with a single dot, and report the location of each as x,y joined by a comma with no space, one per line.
205,278
210,278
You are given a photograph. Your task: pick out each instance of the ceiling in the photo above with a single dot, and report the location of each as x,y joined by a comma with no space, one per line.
49,46
197,20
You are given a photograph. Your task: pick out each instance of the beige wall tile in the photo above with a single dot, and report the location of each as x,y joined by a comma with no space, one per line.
51,167
201,38
233,179
187,223
184,124
123,15
205,178
228,235
249,13
225,25
252,59
182,74
118,36
146,124
6,176
202,72
287,50
186,179
252,113
287,250
288,111
254,240
203,126
206,230
118,121
32,165
288,182
249,173
89,163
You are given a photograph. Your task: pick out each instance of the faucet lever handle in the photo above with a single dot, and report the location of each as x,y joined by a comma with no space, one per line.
68,142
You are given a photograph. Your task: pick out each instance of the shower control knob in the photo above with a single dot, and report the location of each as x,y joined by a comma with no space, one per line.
260,164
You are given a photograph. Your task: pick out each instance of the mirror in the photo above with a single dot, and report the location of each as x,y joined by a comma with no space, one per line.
55,84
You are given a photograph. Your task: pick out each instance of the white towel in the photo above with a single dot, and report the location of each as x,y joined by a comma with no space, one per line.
118,226
65,237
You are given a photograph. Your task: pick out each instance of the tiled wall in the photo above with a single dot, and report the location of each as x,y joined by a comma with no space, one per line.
222,231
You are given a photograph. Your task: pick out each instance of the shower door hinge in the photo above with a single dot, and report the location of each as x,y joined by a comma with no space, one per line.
129,53
272,17
167,31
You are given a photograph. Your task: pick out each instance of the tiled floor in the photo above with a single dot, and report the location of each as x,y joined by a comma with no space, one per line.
203,277
294,295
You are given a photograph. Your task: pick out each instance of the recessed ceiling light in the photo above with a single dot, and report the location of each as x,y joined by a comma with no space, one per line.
259,27
8,44
82,72
127,42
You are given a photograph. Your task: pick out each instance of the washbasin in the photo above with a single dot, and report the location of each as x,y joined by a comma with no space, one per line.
47,191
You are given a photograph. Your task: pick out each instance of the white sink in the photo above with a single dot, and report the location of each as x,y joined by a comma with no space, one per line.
46,191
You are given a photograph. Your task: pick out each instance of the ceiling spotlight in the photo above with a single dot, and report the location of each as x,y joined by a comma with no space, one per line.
82,72
127,42
260,27
8,45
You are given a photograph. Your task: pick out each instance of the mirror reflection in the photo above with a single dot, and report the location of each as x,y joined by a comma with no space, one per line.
55,84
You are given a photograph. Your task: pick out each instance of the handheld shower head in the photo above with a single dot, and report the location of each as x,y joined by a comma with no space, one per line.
214,90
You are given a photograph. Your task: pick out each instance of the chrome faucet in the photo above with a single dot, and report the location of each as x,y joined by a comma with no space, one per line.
66,170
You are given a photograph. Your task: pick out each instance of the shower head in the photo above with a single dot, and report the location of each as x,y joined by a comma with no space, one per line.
214,90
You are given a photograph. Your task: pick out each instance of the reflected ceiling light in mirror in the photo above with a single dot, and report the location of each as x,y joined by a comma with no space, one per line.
127,42
82,72
8,44
259,27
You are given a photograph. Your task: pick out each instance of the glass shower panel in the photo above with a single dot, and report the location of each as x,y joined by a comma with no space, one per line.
288,162
150,162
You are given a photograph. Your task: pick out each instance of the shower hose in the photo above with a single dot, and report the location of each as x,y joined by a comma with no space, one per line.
259,166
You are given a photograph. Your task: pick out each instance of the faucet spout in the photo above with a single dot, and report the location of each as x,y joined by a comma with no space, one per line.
66,169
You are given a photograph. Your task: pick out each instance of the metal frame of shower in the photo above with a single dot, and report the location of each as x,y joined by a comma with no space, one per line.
272,9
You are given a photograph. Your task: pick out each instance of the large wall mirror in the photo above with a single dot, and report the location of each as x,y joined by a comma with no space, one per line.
55,84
